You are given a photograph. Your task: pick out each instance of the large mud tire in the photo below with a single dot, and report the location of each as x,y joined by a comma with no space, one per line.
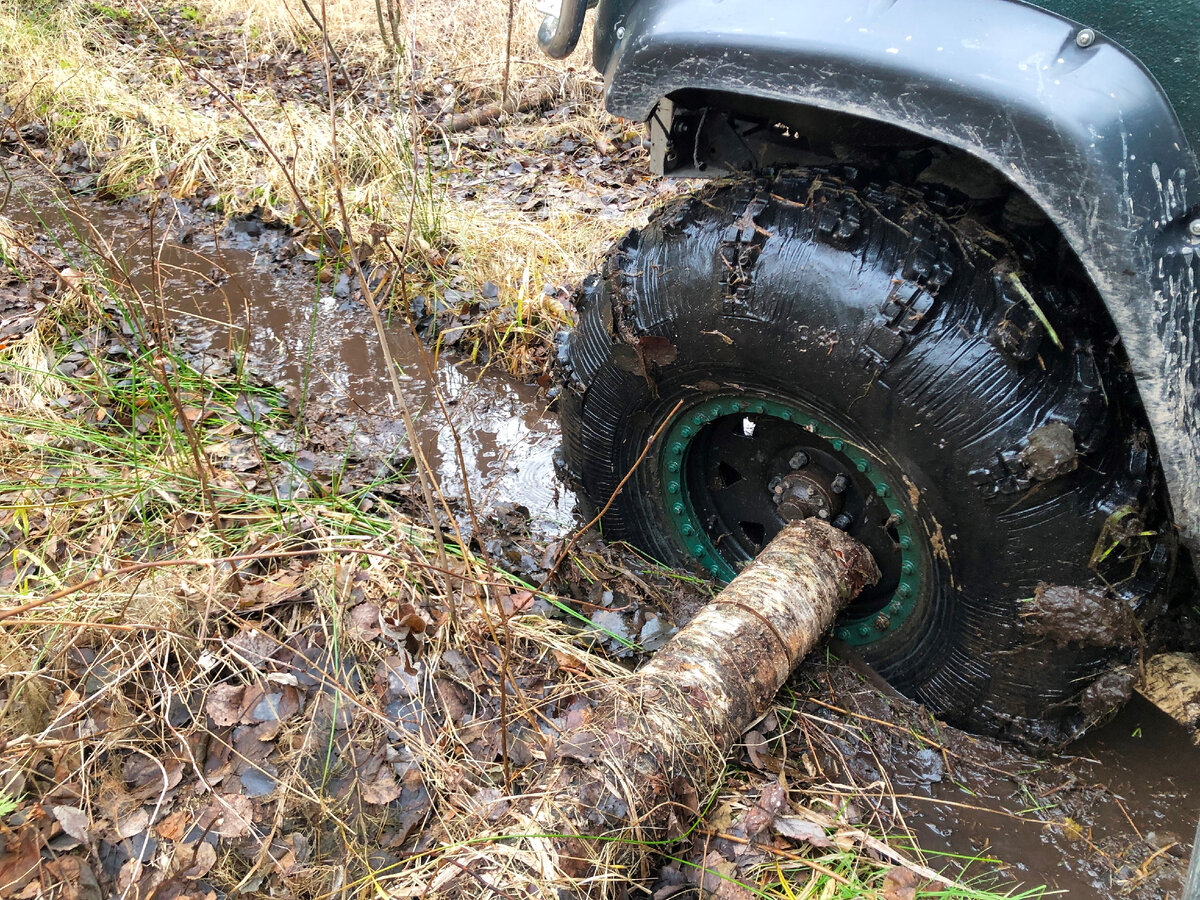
967,396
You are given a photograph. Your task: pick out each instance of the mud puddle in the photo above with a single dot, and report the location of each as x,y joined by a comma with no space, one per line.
235,289
1114,816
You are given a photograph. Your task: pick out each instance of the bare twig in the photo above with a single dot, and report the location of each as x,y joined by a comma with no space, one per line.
512,7
566,550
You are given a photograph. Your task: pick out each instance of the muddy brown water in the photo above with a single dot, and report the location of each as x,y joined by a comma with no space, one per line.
1129,792
1133,787
225,289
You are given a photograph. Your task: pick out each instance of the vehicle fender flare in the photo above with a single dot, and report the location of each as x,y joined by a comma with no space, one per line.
1069,117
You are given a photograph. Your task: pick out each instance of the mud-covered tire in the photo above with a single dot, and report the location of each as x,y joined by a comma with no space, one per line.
968,396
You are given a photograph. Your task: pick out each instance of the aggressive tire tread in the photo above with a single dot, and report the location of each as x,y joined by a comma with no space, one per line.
866,304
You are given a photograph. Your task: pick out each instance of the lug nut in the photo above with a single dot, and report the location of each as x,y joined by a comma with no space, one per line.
799,460
840,483
842,521
823,513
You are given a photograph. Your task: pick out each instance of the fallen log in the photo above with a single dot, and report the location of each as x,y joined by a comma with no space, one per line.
486,115
1172,683
633,777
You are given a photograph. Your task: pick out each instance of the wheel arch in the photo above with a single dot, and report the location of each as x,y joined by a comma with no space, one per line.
1080,127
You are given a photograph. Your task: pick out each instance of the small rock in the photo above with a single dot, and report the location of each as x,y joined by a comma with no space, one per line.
655,632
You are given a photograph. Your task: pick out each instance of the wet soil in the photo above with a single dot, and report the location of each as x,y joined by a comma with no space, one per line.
1111,818
245,290
1115,813
1065,613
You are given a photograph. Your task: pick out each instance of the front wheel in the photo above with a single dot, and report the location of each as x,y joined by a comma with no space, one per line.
811,347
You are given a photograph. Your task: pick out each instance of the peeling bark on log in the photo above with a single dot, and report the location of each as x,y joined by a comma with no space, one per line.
1173,685
485,115
634,776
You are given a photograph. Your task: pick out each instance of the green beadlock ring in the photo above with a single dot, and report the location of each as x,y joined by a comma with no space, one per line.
689,531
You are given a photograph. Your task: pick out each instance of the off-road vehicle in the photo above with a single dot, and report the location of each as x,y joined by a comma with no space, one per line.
943,295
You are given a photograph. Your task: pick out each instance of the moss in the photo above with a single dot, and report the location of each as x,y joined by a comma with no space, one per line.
104,11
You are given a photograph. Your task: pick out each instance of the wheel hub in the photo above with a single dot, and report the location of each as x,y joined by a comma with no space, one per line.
737,470
809,490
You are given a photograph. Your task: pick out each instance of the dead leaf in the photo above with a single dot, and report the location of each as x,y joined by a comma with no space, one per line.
265,594
71,278
262,705
204,857
756,748
363,622
717,879
252,647
224,704
147,778
74,879
289,852
515,602
381,788
489,803
251,743
763,813
801,830
174,826
132,873
405,617
656,350
18,864
688,801
899,884
133,824
569,662
75,822
234,815
721,818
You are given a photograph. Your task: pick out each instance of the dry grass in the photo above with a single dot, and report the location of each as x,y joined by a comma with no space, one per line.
118,81
456,43
145,616
149,117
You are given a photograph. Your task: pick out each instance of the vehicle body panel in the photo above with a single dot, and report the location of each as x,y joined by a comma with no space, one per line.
1084,132
1163,34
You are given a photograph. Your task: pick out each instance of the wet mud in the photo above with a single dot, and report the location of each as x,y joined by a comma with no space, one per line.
1064,613
1114,817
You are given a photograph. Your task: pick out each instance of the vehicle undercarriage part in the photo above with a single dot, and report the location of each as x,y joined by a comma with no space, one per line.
560,31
